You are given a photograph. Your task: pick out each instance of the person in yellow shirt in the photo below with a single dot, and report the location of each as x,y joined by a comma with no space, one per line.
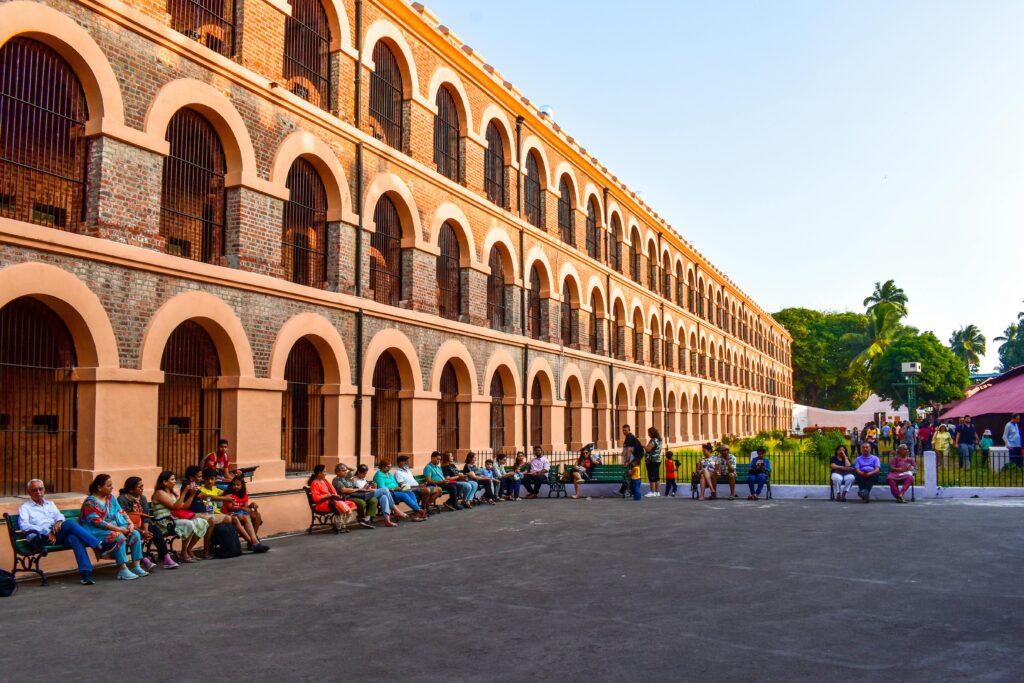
634,479
940,444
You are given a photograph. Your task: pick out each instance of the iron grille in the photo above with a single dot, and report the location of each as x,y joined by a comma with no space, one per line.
446,135
566,219
302,410
569,333
532,198
188,403
386,95
494,167
305,226
613,339
307,52
570,416
596,417
691,303
386,254
593,326
666,279
448,411
619,418
38,398
42,137
679,289
652,272
386,411
638,345
616,237
208,22
536,414
497,440
496,291
533,305
192,206
655,357
449,281
593,235
634,262
682,359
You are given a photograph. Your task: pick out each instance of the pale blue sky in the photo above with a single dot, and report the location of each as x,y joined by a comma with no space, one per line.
807,148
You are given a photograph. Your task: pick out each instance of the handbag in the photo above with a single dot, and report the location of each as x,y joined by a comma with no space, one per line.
183,514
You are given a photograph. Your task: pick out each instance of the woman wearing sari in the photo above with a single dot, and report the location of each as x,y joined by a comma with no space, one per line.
103,517
326,499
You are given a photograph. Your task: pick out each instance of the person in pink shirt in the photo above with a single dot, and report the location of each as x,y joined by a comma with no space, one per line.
901,473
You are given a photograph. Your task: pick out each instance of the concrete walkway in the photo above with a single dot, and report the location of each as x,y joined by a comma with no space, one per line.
591,590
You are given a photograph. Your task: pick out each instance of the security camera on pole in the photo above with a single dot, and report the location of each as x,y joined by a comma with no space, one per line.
910,374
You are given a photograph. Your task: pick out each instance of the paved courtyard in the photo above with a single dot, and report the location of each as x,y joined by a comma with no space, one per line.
665,589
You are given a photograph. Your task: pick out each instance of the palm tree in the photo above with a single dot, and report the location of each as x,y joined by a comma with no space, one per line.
888,294
882,330
1011,351
968,344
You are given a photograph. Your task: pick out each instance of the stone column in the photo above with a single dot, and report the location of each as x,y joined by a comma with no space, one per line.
931,476
254,238
474,297
123,192
246,402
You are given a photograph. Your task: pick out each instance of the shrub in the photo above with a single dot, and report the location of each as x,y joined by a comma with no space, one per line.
788,445
824,445
749,444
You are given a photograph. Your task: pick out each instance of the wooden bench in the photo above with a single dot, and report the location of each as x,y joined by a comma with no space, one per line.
742,472
319,519
25,558
880,480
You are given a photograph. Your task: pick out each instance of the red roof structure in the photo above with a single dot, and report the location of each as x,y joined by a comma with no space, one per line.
1001,395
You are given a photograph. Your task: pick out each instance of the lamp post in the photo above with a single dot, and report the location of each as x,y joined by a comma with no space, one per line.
910,373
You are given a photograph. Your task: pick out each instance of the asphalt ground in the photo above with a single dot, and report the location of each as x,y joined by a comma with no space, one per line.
609,590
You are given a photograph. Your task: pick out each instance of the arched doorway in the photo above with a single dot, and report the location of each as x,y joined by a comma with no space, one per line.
302,410
448,411
386,411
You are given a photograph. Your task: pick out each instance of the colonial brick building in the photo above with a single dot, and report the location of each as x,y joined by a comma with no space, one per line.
328,230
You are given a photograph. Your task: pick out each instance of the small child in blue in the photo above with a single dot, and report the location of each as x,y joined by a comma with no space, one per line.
634,480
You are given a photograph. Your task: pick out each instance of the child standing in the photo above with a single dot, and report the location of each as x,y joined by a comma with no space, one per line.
670,476
986,445
634,479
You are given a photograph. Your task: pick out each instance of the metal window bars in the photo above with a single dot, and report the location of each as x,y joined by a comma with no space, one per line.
536,415
496,291
568,422
385,411
593,235
570,336
532,197
307,51
449,280
43,150
446,135
38,398
566,219
302,408
188,401
386,253
208,22
495,184
448,411
387,96
497,422
304,239
192,203
533,318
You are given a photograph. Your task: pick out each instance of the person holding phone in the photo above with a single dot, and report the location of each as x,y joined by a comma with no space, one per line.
842,473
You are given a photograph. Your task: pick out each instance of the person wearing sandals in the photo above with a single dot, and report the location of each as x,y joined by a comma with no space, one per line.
581,471
760,470
901,473
172,516
842,473
385,497
326,499
425,494
383,479
236,503
727,469
103,517
483,478
652,462
433,475
506,477
134,503
366,503
707,472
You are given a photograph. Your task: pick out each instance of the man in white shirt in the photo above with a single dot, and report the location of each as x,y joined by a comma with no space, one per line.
538,473
43,524
1011,439
427,495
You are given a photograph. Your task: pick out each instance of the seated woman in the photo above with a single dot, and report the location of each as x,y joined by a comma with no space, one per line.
842,473
366,503
383,479
327,500
385,497
901,473
582,470
467,487
707,472
236,503
102,516
135,505
172,516
482,478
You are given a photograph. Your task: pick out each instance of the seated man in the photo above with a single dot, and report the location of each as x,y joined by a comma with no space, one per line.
760,469
425,494
383,479
727,469
506,478
537,473
467,487
44,524
865,468
433,475
219,461
365,501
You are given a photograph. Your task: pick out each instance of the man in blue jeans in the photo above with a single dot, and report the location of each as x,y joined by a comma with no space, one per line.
1011,439
966,441
43,524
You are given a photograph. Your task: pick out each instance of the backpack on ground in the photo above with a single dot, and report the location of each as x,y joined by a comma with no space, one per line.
8,586
225,543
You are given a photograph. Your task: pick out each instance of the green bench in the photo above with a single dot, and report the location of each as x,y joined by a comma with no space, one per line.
599,474
742,472
26,559
880,480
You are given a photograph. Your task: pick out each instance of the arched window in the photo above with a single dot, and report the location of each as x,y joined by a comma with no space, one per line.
496,291
619,415
569,422
691,302
652,267
593,235
566,219
614,345
302,409
570,336
536,414
42,137
38,397
596,417
679,285
616,238
533,317
192,203
446,136
533,204
594,346
449,279
666,278
307,51
386,411
386,96
634,258
188,401
208,22
497,430
638,340
495,184
448,411
655,356
305,226
386,254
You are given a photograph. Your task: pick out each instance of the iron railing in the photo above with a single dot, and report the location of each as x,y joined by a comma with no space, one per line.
387,96
386,411
446,135
533,202
495,184
302,409
208,22
566,219
449,275
305,226
386,254
307,50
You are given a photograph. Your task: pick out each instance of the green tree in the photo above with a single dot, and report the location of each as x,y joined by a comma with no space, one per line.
822,372
1011,351
882,329
968,344
943,376
887,294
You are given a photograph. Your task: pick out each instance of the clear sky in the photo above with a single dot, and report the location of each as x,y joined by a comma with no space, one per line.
807,147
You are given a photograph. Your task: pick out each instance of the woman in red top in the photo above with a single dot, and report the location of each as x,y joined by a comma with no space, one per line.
326,499
582,471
